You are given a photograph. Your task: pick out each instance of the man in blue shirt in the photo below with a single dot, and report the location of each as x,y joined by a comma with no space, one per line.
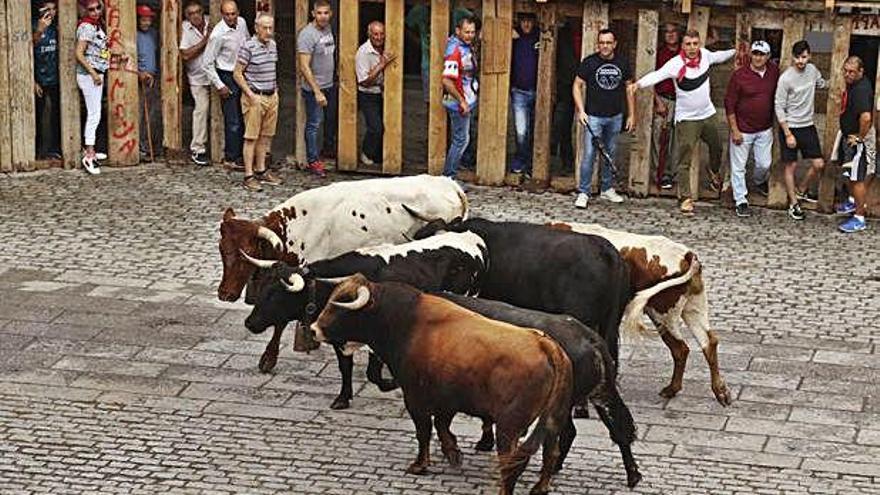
46,89
523,84
150,102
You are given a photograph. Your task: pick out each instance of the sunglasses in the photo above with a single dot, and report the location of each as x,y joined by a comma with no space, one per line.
759,53
96,8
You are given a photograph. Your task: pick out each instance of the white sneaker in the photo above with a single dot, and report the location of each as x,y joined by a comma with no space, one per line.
100,156
91,166
611,195
582,200
366,161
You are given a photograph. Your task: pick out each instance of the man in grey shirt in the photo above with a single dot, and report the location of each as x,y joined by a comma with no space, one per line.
316,47
794,102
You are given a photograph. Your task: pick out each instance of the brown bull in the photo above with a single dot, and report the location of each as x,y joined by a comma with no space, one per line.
449,360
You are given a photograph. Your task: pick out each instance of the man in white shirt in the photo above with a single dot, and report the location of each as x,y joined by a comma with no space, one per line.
219,61
694,112
193,40
370,63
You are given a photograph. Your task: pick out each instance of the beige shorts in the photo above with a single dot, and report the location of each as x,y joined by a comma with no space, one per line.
260,119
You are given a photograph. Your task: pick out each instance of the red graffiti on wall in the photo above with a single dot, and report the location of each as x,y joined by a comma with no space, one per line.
122,124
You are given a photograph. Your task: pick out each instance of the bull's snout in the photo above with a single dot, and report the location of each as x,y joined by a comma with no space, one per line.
317,333
227,296
253,325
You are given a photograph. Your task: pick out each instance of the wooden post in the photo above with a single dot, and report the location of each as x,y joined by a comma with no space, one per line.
792,31
71,140
5,118
595,18
122,83
218,139
436,112
646,56
839,53
347,156
171,97
392,151
301,18
685,6
21,87
494,91
544,97
699,20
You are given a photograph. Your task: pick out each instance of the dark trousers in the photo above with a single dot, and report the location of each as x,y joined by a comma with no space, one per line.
233,126
331,117
563,116
48,115
153,97
371,106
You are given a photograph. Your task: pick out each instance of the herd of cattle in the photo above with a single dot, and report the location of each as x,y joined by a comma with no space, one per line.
514,323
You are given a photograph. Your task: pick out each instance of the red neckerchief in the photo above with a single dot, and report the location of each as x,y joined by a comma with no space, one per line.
89,20
688,62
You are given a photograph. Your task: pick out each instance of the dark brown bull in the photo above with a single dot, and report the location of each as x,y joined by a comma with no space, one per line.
449,360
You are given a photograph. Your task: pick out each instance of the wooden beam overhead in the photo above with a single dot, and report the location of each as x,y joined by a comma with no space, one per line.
436,111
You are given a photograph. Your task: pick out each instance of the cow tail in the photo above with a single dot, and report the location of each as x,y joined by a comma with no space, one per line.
631,323
552,415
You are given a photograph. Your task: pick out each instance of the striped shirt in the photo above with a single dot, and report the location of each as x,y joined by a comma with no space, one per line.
259,62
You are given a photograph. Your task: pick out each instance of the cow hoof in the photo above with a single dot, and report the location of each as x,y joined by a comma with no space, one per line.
633,478
669,391
722,395
340,403
486,444
267,363
417,469
580,412
539,489
453,456
386,385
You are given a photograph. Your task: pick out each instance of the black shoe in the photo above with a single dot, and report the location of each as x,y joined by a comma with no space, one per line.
743,211
763,188
200,159
666,182
795,211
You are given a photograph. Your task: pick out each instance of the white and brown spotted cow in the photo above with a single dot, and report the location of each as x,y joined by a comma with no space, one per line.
653,259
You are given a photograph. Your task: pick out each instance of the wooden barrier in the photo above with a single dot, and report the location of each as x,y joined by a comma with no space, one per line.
392,152
640,154
436,112
840,50
301,18
71,139
544,93
217,137
595,18
494,91
122,83
347,157
5,120
171,73
698,20
21,86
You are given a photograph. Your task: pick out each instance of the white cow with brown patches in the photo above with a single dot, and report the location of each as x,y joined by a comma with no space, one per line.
653,259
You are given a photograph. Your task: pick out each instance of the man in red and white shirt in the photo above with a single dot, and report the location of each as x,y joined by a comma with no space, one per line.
460,90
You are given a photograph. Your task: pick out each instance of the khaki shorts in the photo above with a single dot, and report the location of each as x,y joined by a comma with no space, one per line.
260,120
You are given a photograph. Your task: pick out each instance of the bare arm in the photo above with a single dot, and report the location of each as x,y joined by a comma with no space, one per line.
864,124
631,107
577,93
81,57
374,73
238,75
305,68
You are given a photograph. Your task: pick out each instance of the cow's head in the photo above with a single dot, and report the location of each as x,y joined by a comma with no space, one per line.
283,297
239,236
342,321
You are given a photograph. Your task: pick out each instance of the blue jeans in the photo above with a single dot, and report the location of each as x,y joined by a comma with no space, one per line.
523,103
459,138
233,123
606,129
315,116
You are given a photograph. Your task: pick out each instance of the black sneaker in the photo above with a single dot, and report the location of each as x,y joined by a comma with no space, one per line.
200,159
807,196
743,211
666,182
763,188
795,211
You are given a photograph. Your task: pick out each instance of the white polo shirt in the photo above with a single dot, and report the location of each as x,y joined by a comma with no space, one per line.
366,58
190,37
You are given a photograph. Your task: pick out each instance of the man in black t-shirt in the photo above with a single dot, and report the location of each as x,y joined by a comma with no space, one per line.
855,145
605,76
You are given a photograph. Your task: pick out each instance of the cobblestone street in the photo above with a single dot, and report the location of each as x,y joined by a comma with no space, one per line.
121,372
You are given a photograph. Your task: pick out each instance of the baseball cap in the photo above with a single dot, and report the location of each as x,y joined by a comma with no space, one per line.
145,11
761,46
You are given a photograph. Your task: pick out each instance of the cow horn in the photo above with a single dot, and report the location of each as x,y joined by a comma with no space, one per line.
272,237
362,299
295,283
256,262
406,236
418,215
331,280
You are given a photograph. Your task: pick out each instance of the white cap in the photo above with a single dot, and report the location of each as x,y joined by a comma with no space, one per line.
761,46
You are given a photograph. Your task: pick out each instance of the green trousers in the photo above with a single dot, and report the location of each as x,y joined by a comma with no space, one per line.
688,134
